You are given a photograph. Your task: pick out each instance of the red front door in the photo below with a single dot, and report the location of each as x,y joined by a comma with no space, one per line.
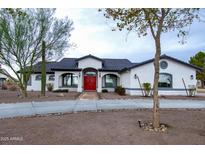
89,82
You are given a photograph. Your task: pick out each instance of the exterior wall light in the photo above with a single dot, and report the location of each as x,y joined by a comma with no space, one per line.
79,74
191,77
135,76
100,75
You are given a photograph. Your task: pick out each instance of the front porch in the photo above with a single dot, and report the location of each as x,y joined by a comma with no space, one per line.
87,79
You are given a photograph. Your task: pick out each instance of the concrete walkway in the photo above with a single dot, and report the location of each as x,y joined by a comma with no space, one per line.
88,96
36,108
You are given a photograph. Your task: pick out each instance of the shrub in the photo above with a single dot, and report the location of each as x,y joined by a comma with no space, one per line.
191,90
120,90
147,88
50,86
104,91
61,91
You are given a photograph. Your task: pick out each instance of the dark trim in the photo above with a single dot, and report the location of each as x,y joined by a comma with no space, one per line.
160,89
56,69
89,56
163,57
40,73
68,87
110,87
104,70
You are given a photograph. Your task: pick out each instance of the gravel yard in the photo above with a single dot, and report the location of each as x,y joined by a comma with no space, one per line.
14,96
113,95
118,127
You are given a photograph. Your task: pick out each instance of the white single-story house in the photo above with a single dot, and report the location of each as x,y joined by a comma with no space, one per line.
90,73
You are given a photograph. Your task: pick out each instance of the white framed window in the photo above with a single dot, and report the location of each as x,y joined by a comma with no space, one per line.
38,77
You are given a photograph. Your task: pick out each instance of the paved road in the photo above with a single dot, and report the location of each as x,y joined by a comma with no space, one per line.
35,108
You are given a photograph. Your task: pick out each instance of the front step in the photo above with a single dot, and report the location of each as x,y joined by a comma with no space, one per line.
88,96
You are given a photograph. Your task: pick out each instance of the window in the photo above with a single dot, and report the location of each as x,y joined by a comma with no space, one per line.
165,80
69,80
38,77
29,81
51,77
110,81
2,81
90,73
163,64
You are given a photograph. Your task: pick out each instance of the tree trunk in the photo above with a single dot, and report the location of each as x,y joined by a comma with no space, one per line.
25,94
156,114
43,70
24,85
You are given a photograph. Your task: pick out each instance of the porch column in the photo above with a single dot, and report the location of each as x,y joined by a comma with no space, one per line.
56,82
80,81
99,82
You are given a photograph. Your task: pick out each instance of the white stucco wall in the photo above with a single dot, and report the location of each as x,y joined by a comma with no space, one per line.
36,84
125,80
177,70
89,62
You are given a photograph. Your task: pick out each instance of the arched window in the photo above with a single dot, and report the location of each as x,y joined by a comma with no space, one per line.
110,81
69,80
165,80
38,77
51,77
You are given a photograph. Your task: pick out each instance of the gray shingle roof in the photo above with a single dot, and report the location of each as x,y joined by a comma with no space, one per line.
49,65
165,57
66,64
115,64
108,64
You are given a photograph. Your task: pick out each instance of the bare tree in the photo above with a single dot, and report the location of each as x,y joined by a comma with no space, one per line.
156,21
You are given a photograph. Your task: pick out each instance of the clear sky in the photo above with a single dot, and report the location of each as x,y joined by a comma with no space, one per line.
93,35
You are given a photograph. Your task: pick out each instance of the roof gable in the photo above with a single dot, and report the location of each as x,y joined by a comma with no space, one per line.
89,56
165,57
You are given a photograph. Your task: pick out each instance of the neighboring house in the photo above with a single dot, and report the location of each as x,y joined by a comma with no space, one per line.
2,77
90,73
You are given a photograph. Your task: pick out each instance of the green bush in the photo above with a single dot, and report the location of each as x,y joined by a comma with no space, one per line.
50,86
120,90
147,88
61,91
191,90
104,91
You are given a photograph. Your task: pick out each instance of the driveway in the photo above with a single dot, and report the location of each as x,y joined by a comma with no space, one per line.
41,108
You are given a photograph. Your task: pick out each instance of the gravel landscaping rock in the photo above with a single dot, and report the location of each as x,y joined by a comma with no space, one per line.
185,127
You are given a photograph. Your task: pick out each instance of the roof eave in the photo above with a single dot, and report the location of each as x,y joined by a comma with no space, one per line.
67,69
87,56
